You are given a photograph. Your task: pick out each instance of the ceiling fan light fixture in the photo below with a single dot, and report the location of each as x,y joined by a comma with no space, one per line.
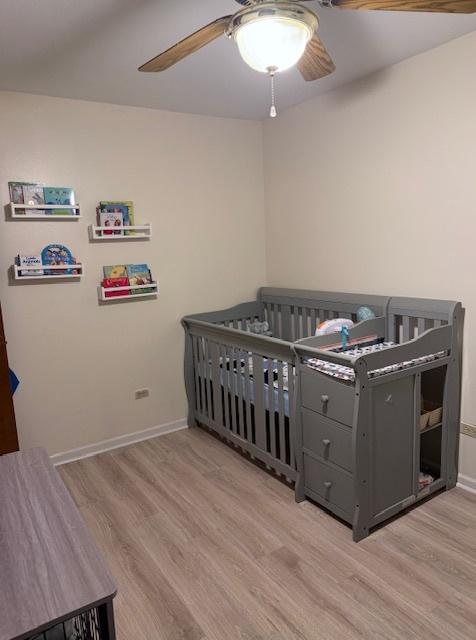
273,36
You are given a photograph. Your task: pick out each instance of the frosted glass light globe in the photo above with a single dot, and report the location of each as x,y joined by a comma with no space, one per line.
272,42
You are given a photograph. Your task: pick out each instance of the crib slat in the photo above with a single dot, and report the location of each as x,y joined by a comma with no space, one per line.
292,460
313,322
226,391
216,384
247,431
276,328
437,323
305,322
286,322
281,415
258,386
196,365
233,391
207,379
239,381
296,332
272,415
421,326
201,374
406,328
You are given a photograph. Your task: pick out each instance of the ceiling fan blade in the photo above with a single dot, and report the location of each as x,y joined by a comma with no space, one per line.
315,62
430,6
188,45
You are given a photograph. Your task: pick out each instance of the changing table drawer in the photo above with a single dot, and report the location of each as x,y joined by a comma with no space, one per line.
332,485
328,396
328,439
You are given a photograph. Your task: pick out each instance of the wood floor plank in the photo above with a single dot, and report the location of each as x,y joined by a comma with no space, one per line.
205,545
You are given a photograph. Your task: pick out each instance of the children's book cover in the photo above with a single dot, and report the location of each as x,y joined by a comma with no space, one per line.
111,283
115,271
139,274
59,195
16,191
127,209
33,195
26,262
112,220
55,255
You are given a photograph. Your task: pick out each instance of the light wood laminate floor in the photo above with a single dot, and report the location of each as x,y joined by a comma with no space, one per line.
206,546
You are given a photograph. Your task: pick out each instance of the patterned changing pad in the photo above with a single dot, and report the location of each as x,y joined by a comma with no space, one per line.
347,373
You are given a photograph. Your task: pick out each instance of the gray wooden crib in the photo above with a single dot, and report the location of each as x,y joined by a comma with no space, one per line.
353,445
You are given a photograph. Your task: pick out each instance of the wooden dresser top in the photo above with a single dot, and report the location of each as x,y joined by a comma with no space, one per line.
50,567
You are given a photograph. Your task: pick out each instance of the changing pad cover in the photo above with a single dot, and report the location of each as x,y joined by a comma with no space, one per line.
347,373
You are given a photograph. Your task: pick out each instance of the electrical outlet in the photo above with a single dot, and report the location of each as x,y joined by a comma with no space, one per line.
141,393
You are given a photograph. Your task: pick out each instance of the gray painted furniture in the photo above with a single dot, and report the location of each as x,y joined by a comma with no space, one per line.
54,583
373,449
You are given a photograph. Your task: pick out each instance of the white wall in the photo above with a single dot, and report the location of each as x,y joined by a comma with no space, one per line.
199,182
372,188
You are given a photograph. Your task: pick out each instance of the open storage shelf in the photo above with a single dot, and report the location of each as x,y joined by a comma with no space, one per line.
431,444
131,296
136,232
41,208
435,426
60,269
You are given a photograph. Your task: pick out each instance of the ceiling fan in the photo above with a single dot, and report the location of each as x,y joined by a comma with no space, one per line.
274,35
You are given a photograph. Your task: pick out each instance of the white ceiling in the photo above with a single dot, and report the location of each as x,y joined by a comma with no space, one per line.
90,49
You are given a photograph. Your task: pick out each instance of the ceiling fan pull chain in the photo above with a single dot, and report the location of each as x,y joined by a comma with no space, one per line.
272,112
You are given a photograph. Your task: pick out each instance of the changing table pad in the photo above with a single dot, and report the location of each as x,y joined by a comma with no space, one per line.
347,373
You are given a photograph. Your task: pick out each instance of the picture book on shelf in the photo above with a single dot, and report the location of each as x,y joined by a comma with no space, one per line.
126,207
35,194
112,220
16,191
110,283
115,271
139,274
55,255
59,195
27,262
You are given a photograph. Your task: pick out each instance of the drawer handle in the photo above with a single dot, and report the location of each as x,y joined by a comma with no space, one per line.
328,485
326,442
325,399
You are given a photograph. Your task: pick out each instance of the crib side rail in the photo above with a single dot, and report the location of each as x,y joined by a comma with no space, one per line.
235,317
241,385
294,314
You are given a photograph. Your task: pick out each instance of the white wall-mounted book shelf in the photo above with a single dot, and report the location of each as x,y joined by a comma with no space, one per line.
39,211
43,272
133,232
134,292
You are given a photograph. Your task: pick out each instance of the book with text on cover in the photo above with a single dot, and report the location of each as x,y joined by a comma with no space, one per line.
115,271
111,283
126,207
139,274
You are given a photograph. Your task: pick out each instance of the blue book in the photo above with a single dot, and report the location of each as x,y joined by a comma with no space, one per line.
139,274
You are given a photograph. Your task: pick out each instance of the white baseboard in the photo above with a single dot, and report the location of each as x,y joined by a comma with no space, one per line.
467,483
115,443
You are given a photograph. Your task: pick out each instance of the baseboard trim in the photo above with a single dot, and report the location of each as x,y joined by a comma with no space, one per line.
115,443
467,483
